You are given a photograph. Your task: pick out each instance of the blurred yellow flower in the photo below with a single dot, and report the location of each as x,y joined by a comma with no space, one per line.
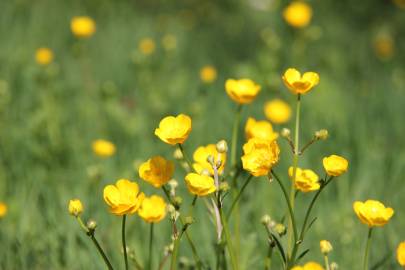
82,26
153,209
124,197
208,74
277,111
300,84
305,180
174,130
147,46
200,158
259,129
156,171
326,247
373,213
399,3
3,209
260,156
401,253
298,14
200,185
242,91
335,165
308,266
103,148
169,42
75,207
384,46
44,56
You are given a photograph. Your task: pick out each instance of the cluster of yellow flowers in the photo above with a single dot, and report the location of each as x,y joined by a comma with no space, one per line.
209,172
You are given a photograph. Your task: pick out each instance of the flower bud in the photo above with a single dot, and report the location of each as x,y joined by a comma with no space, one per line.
321,134
266,219
188,220
224,186
173,184
211,159
334,266
285,132
174,214
177,201
75,207
325,246
280,229
91,225
222,146
177,154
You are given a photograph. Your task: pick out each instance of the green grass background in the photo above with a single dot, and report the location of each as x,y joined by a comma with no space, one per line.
104,87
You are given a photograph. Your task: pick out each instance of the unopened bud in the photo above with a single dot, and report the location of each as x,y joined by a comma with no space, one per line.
177,201
91,225
285,132
334,266
188,220
280,229
210,159
177,154
174,214
224,186
266,219
321,134
222,146
173,184
325,246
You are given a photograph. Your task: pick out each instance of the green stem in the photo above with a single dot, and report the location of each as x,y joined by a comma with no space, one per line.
327,262
185,157
235,130
267,262
124,245
295,164
150,247
367,251
174,254
235,201
228,241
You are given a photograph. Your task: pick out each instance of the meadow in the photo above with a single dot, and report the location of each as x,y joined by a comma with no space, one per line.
144,62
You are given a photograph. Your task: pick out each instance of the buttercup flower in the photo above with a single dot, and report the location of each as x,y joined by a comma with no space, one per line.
373,213
401,254
300,84
277,111
260,156
259,129
200,185
75,207
124,197
147,46
153,209
82,26
103,148
156,171
208,74
200,158
308,266
44,56
305,180
174,130
3,209
326,246
384,46
242,91
335,165
298,14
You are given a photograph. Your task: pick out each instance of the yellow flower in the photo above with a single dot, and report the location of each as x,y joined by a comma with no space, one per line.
103,148
75,207
208,74
124,197
260,156
401,254
242,91
277,111
169,42
82,26
259,129
308,266
373,213
3,209
153,209
300,84
384,46
200,158
44,56
305,180
325,246
147,46
399,3
156,171
335,165
174,130
298,14
200,185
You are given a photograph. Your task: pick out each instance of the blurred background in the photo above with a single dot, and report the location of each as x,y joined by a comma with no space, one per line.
147,59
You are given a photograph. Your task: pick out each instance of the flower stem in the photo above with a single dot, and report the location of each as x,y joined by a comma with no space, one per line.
124,245
295,164
235,135
267,261
150,247
235,201
228,241
185,157
367,251
327,262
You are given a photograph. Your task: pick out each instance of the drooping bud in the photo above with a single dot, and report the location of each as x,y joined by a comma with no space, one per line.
321,134
222,146
285,132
